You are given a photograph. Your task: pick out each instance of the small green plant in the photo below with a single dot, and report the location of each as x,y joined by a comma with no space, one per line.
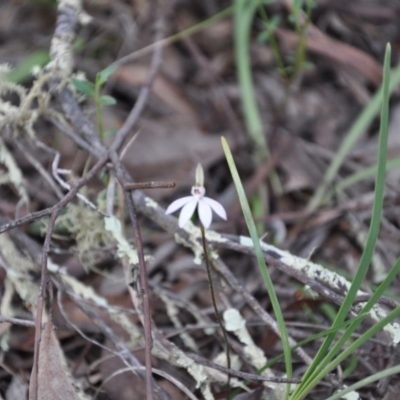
331,353
338,344
260,260
300,18
94,90
244,13
357,129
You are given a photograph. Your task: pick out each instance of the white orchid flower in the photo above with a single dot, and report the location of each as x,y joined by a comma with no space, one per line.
198,199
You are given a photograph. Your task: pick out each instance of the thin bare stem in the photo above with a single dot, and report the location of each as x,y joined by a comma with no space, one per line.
240,374
122,179
210,281
17,321
62,203
149,185
40,304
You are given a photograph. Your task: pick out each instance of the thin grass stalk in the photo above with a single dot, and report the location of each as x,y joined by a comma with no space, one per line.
260,260
214,302
323,356
353,347
367,381
243,16
365,174
360,125
355,322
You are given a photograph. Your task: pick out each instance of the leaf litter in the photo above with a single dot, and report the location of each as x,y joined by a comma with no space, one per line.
95,347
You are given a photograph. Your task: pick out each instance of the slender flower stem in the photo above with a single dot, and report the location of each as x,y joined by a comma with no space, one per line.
219,320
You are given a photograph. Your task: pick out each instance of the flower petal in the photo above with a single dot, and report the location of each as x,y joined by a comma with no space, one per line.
205,213
177,204
217,207
187,211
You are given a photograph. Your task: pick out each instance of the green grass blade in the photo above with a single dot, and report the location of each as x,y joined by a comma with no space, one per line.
23,70
321,359
355,345
366,381
378,197
355,322
303,342
260,257
365,174
359,127
244,11
312,338
243,17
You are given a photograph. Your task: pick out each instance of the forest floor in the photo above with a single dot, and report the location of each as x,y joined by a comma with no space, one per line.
293,86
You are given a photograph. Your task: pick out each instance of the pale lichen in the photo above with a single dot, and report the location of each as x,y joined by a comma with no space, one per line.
86,226
329,278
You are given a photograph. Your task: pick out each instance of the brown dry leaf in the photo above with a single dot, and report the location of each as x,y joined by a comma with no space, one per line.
300,169
75,316
169,149
54,381
122,386
22,339
216,37
340,52
168,92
